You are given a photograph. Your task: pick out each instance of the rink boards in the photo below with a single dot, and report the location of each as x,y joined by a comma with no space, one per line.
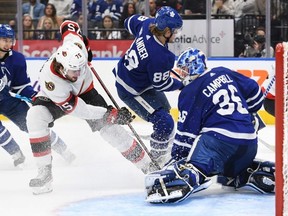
256,68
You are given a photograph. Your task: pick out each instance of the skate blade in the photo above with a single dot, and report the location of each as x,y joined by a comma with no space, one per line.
158,198
47,188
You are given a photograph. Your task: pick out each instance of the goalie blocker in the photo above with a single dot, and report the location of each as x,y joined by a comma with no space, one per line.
176,182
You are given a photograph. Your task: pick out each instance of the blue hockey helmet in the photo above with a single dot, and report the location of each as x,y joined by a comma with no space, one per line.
6,31
168,17
193,61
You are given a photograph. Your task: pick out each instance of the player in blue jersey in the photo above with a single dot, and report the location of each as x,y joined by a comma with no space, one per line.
143,74
215,134
15,89
97,10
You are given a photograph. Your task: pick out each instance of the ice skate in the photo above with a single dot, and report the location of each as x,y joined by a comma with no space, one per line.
19,159
68,156
43,182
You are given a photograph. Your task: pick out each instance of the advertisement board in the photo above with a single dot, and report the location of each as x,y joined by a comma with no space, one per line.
194,35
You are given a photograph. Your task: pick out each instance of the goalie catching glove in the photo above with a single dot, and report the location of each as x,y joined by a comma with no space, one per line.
120,116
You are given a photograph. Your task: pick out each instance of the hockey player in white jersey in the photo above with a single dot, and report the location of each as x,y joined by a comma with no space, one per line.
67,89
215,134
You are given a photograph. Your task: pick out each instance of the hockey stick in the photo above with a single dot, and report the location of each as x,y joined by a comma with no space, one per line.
269,87
118,107
23,98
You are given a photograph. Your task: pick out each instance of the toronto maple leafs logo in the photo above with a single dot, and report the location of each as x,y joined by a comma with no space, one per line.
172,14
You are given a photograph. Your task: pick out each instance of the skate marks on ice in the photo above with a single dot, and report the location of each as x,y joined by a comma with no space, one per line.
215,202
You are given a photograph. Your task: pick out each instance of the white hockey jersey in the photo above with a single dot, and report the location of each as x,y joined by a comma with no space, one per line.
63,92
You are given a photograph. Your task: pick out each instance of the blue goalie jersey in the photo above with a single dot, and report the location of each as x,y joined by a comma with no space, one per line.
147,63
219,103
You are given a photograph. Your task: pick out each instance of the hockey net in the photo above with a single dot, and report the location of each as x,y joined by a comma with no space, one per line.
281,126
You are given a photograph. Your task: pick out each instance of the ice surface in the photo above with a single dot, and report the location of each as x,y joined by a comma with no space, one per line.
101,182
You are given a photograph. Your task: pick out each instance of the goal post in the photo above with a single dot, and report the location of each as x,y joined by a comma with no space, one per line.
281,130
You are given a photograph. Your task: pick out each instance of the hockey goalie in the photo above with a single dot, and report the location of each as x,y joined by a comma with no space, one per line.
216,134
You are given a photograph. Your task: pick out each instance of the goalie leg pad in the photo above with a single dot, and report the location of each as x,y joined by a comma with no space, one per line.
260,177
174,183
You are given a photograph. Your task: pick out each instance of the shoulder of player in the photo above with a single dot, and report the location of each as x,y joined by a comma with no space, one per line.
18,55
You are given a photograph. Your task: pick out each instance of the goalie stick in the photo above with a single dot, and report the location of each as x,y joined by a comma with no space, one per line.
118,107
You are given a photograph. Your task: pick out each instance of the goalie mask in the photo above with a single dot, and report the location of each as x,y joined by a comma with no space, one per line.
71,57
192,63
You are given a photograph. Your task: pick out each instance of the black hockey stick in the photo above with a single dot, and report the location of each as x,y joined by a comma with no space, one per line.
118,107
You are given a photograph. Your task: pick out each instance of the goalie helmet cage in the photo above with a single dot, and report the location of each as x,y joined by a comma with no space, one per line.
281,129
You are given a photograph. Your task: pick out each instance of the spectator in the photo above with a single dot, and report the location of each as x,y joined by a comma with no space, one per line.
222,7
76,9
107,33
45,2
63,8
129,9
28,27
12,24
255,46
50,11
152,8
34,8
170,3
191,7
140,6
48,30
275,10
98,9
241,8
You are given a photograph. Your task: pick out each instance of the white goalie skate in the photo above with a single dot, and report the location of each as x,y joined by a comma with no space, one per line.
43,182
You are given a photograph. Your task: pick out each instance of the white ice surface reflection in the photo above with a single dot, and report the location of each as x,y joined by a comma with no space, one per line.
101,182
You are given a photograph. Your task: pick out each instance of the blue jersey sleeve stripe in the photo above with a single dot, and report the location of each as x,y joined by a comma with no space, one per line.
255,96
227,133
186,134
127,23
182,144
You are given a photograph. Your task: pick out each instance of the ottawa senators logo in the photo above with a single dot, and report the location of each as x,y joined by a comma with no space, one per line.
64,53
49,86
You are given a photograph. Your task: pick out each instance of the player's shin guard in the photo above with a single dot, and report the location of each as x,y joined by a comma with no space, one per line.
120,139
163,132
174,183
41,148
160,151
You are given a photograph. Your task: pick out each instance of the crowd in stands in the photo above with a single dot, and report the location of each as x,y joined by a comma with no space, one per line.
41,19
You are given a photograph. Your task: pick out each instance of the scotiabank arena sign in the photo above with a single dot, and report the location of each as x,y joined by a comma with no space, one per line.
100,48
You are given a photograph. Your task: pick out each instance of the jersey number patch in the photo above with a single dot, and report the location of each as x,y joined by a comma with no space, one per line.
228,104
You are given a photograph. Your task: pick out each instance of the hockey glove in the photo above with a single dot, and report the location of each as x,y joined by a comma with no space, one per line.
120,116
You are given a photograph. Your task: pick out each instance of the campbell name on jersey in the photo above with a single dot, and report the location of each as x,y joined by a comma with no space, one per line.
147,62
220,103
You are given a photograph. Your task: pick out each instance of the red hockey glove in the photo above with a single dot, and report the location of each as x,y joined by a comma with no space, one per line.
120,116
